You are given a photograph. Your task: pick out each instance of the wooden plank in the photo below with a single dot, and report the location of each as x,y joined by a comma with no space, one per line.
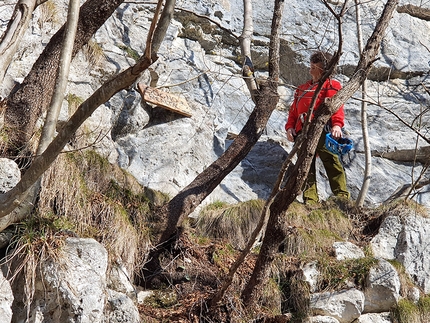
165,100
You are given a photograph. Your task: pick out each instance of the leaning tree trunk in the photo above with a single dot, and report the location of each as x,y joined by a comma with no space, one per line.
14,198
15,32
274,76
28,100
186,201
277,228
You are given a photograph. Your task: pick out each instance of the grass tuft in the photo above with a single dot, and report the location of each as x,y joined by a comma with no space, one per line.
233,223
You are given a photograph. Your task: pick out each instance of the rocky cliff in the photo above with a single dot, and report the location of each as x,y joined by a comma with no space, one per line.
164,151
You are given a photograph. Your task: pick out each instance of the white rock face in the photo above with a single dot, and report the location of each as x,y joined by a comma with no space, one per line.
123,310
311,275
6,300
406,240
375,318
74,289
10,174
345,305
166,152
119,280
321,319
78,282
382,288
385,242
346,250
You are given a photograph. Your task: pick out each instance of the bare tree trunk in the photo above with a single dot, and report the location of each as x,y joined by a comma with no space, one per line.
186,201
50,124
274,52
415,11
14,32
27,101
13,198
245,45
368,163
277,228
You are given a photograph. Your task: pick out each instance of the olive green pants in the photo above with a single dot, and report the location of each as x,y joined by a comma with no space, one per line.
335,173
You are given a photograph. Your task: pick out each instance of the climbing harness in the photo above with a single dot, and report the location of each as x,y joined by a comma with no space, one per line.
341,147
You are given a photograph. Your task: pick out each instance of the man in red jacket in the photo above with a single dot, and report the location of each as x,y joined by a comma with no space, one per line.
297,116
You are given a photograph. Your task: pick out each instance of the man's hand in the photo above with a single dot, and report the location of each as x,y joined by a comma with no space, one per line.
291,133
336,132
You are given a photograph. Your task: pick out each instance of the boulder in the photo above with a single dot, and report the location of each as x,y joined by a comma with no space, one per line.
345,306
6,300
375,318
405,238
346,250
321,319
122,309
10,174
72,287
311,275
382,289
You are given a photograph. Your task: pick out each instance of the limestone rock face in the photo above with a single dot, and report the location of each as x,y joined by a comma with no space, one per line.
122,309
322,319
76,282
10,174
382,288
345,306
6,300
375,318
347,250
73,288
406,239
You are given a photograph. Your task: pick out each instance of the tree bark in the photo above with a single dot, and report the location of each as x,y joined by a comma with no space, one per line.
28,100
14,32
415,11
368,157
13,198
421,155
277,228
245,46
50,124
185,202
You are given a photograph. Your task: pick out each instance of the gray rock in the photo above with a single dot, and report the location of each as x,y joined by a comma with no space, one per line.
406,240
122,308
6,300
10,174
73,288
345,305
382,289
321,319
311,275
119,281
346,250
375,318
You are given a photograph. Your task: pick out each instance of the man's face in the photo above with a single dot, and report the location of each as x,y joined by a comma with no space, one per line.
316,71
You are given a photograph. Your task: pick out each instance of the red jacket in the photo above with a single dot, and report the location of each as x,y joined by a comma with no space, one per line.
302,101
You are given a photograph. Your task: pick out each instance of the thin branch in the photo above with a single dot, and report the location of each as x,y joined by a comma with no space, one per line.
397,116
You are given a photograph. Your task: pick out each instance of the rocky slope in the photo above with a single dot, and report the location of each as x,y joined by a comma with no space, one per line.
165,151
199,60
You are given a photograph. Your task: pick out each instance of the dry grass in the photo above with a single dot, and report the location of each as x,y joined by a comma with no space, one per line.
94,53
36,240
102,202
315,230
233,223
48,13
